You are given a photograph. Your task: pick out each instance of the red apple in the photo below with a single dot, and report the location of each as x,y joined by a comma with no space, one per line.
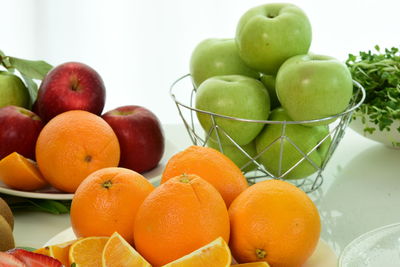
19,130
70,86
140,137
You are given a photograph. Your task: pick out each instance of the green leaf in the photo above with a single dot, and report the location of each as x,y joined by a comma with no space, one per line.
369,130
51,206
43,205
30,68
5,61
32,87
27,248
61,208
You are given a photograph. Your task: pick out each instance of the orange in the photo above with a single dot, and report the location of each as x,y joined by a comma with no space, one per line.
276,222
107,201
20,173
74,144
118,253
215,253
179,217
87,252
58,251
212,166
253,264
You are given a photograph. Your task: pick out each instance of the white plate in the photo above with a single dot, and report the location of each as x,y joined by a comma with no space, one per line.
322,257
46,193
52,193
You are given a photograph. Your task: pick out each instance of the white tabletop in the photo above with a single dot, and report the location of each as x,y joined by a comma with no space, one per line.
361,191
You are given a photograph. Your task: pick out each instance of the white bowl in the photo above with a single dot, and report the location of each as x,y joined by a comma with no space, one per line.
388,138
379,247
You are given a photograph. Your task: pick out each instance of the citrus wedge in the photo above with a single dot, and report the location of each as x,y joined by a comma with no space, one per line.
253,264
119,253
87,252
216,253
61,252
44,251
20,173
57,251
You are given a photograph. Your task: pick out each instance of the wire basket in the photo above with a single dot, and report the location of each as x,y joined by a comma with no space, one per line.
183,93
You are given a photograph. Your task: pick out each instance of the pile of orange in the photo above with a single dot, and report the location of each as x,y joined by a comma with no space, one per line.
70,147
203,211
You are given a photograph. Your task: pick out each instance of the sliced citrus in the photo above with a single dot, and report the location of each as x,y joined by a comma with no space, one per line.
215,253
57,251
119,253
61,252
253,264
21,173
43,251
87,252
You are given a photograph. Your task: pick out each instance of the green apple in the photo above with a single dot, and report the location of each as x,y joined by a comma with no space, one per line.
13,91
312,87
215,57
304,137
269,83
236,154
234,96
269,34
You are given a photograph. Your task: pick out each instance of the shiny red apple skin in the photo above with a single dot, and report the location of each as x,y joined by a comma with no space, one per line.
19,130
69,86
140,136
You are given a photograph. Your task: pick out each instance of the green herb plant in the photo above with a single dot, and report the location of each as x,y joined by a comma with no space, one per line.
379,73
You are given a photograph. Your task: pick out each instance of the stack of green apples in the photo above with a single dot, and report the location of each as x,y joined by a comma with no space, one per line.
266,73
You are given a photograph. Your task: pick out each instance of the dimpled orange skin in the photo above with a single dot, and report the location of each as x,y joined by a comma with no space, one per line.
212,166
179,217
74,144
107,201
276,222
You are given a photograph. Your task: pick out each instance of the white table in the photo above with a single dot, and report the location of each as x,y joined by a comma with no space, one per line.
361,191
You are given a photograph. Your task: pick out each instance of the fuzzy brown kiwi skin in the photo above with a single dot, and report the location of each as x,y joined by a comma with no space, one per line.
7,238
6,212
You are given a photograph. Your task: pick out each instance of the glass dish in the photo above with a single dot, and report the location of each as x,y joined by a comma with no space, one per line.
379,247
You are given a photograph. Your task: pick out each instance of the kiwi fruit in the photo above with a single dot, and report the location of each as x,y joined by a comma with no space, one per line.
6,235
6,212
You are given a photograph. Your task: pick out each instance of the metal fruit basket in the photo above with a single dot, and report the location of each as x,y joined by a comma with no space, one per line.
183,93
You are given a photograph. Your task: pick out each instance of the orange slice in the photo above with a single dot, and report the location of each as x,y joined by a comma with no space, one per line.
20,173
253,264
87,252
119,253
61,252
43,251
58,251
216,253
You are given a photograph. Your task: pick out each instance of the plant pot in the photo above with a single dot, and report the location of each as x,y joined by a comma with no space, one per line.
390,138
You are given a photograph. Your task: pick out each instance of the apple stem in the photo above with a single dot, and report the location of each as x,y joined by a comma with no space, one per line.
74,84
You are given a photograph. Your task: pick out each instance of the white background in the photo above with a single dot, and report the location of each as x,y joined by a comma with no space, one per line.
140,47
